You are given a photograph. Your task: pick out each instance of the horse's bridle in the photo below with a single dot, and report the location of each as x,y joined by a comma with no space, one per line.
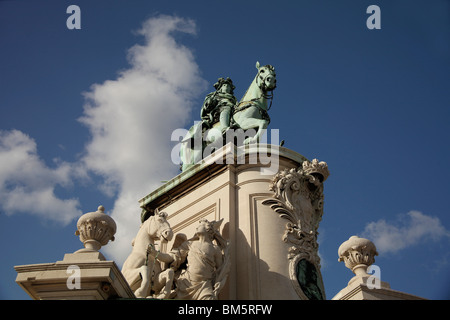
262,84
259,76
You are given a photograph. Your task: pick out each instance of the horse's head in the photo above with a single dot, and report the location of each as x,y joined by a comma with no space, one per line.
266,77
159,227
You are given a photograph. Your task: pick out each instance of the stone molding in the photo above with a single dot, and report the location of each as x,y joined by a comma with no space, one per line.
99,279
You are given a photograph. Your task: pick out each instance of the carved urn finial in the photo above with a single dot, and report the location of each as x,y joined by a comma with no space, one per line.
358,254
95,229
316,168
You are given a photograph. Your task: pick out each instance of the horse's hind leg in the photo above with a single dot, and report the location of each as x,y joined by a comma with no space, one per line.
262,125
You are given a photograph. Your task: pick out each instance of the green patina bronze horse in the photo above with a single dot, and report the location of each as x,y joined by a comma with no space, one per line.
250,114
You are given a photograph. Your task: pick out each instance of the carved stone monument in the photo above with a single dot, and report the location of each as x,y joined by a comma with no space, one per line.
239,222
262,216
268,229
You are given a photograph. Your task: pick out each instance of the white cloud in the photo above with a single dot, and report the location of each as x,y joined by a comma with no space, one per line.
27,184
410,229
131,120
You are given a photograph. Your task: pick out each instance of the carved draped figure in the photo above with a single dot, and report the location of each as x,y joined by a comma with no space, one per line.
196,282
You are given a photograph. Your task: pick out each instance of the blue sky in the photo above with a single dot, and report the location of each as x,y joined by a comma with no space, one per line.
86,117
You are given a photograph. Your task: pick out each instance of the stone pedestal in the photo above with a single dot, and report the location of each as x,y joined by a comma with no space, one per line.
83,275
224,186
358,289
79,276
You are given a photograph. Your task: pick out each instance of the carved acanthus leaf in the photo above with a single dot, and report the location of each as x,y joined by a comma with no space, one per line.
281,208
298,198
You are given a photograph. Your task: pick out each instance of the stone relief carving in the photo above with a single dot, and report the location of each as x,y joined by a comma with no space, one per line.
298,198
207,260
194,269
140,271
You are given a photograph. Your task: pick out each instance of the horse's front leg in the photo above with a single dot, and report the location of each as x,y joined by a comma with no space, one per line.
143,290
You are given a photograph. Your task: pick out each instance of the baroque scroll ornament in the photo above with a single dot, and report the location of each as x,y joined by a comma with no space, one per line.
298,198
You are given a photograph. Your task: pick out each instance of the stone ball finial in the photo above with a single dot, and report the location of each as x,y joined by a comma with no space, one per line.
358,254
95,229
